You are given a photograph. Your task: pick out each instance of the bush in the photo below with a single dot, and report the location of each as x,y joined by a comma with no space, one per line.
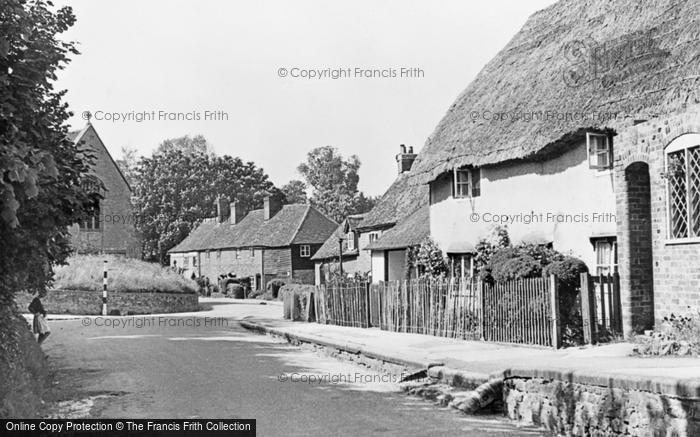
676,335
273,287
508,264
84,272
519,267
568,269
297,301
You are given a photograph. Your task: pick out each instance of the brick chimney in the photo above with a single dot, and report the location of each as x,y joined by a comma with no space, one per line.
405,159
271,205
222,210
237,212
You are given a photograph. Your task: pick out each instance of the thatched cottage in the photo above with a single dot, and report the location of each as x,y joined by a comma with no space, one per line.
346,240
584,133
396,223
111,225
276,241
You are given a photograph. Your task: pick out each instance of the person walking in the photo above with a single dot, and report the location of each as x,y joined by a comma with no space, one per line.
40,325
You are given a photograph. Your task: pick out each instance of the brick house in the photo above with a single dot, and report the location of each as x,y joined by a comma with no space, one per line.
583,134
276,241
110,229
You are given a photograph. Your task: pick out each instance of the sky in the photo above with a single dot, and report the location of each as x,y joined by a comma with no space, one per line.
238,72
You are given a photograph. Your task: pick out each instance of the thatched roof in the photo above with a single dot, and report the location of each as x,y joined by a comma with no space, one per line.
653,58
408,233
330,247
402,198
293,224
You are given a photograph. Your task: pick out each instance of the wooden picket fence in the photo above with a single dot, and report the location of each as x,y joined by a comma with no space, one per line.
601,307
440,307
344,304
524,311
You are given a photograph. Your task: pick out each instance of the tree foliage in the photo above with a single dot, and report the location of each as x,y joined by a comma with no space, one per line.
295,192
127,164
333,180
43,172
428,259
175,189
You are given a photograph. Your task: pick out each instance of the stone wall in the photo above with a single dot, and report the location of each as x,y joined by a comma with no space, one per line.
90,302
577,409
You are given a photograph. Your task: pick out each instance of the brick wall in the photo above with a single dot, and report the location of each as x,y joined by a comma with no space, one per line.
90,302
117,233
675,268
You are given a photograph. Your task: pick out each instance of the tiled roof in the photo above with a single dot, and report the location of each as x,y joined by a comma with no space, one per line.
330,246
293,224
410,232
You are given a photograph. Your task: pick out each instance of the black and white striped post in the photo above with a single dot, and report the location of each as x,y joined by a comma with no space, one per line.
104,290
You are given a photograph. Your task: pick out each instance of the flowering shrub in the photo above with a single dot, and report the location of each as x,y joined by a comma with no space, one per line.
676,335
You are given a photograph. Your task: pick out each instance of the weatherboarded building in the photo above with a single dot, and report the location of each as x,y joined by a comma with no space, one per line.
276,241
110,227
584,133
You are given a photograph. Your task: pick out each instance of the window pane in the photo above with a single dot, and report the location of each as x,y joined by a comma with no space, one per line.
678,194
476,182
694,190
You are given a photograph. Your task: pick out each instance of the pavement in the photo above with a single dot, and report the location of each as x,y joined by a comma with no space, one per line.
470,363
205,365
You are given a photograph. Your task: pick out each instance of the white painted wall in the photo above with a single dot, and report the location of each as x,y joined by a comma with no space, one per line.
562,185
377,266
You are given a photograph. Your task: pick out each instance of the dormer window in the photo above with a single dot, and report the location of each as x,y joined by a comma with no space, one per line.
467,182
599,150
351,240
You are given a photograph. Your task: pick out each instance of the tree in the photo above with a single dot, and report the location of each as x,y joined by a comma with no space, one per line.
334,180
175,189
44,174
127,165
295,192
188,145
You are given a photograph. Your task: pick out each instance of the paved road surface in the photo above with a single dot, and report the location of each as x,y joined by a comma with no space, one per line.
192,367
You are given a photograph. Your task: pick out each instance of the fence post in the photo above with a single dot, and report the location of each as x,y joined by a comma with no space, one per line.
587,309
617,304
482,309
104,289
554,308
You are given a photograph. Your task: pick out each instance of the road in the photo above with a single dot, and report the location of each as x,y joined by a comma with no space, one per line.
210,367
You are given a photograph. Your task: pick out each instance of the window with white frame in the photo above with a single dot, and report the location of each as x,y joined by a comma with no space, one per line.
683,187
373,236
305,251
238,253
252,253
351,240
194,261
467,182
606,256
599,150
